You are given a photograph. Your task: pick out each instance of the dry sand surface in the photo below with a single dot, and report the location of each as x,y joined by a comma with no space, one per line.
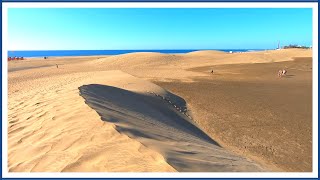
105,114
52,129
249,108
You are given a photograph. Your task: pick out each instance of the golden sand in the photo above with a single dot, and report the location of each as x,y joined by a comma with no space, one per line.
104,114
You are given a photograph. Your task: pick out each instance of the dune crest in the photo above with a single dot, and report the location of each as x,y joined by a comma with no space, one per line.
164,128
51,129
205,52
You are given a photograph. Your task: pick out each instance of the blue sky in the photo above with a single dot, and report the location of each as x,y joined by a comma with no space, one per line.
171,28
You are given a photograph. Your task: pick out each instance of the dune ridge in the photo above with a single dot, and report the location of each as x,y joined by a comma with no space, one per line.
51,129
163,128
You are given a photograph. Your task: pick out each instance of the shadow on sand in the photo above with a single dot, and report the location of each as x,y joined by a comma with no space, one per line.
154,123
289,76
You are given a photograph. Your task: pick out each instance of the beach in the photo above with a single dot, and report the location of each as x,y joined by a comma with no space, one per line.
156,112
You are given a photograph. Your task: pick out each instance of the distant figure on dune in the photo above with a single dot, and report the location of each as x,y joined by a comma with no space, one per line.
212,71
279,73
57,65
282,72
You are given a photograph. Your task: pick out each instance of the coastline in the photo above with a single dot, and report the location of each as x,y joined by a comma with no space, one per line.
87,53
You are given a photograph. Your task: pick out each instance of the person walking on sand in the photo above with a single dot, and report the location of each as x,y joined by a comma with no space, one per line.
284,72
280,73
212,71
57,66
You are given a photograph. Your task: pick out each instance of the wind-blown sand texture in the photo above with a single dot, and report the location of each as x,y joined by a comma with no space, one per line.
105,114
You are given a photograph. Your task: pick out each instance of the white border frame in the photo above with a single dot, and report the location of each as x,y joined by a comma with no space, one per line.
6,174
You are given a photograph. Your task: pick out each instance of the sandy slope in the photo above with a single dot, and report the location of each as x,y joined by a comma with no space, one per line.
51,128
160,122
250,110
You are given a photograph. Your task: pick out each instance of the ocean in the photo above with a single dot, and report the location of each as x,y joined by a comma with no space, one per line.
49,53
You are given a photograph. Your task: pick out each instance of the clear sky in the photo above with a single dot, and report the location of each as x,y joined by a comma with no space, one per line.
103,29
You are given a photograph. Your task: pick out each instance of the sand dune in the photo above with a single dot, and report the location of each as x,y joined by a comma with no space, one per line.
150,59
103,114
160,123
247,108
205,53
50,128
67,135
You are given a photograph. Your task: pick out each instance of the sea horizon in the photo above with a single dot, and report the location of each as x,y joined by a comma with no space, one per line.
57,53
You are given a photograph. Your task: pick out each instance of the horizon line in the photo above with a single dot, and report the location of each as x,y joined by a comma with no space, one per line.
142,49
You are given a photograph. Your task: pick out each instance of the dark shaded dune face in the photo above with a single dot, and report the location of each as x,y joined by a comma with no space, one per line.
247,107
116,104
160,126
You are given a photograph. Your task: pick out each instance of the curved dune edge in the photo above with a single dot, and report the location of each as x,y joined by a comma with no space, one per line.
163,126
205,52
51,129
169,67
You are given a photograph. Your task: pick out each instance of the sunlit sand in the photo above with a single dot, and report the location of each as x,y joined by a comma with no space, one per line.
153,112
